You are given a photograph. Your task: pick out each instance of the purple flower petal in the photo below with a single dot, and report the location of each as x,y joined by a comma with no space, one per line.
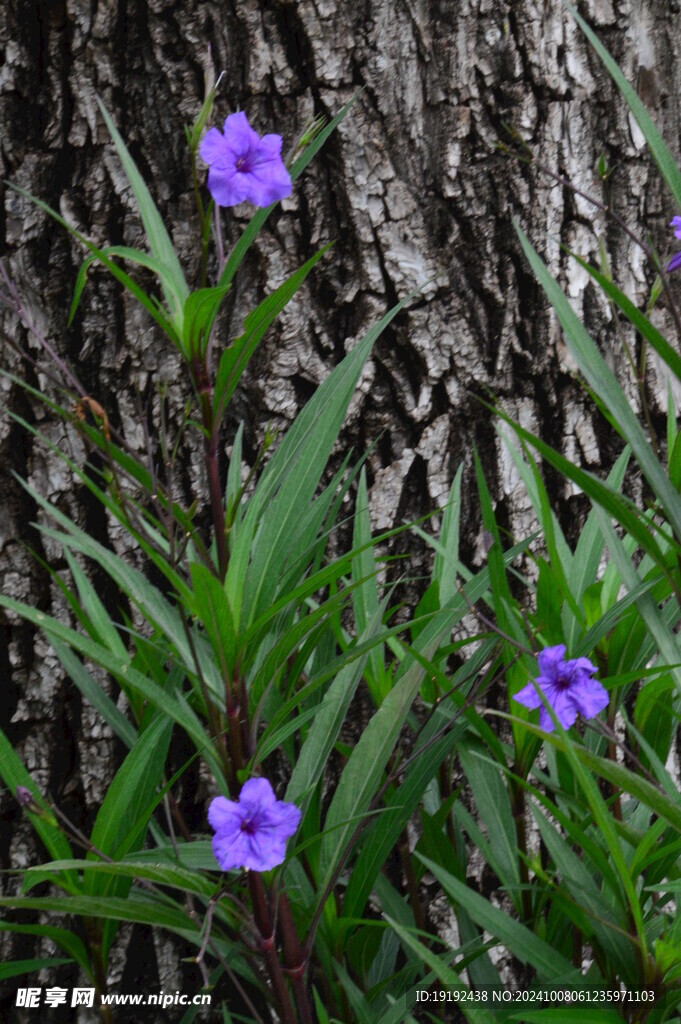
226,186
256,795
265,851
565,711
231,849
269,148
283,817
568,687
252,832
676,224
213,147
674,263
242,166
224,814
550,659
582,665
590,698
529,697
269,183
239,137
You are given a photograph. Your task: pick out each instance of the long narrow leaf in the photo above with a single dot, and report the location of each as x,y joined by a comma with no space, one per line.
607,388
522,942
173,282
656,144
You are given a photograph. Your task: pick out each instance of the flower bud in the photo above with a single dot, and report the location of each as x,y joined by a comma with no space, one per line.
24,796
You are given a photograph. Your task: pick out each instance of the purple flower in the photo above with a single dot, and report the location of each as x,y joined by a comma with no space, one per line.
24,796
244,166
568,687
251,832
675,261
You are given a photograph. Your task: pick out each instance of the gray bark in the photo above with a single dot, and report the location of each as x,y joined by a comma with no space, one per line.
416,195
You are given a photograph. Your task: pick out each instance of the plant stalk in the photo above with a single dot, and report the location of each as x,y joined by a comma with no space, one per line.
264,924
295,959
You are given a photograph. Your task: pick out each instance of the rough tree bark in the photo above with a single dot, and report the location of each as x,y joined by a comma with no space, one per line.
416,195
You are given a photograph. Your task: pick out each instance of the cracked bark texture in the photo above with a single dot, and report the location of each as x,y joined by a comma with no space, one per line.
416,195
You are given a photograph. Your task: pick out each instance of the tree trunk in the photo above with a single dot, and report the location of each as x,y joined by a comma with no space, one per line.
417,196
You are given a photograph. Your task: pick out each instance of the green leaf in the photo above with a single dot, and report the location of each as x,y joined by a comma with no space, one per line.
608,921
587,1014
606,386
123,252
292,476
129,794
69,942
654,715
155,608
655,293
14,774
135,907
204,114
113,268
275,738
13,968
493,807
365,599
606,827
537,491
447,557
549,602
522,942
664,636
103,628
431,751
237,356
210,604
196,855
162,699
675,462
123,817
131,467
447,975
320,1008
172,279
362,1012
169,874
611,619
588,552
638,319
621,509
362,774
200,311
663,158
665,806
324,732
95,694
671,417
501,593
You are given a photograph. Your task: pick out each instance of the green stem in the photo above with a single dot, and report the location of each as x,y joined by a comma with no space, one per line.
518,807
204,390
202,224
263,921
217,508
412,882
446,791
296,961
94,935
